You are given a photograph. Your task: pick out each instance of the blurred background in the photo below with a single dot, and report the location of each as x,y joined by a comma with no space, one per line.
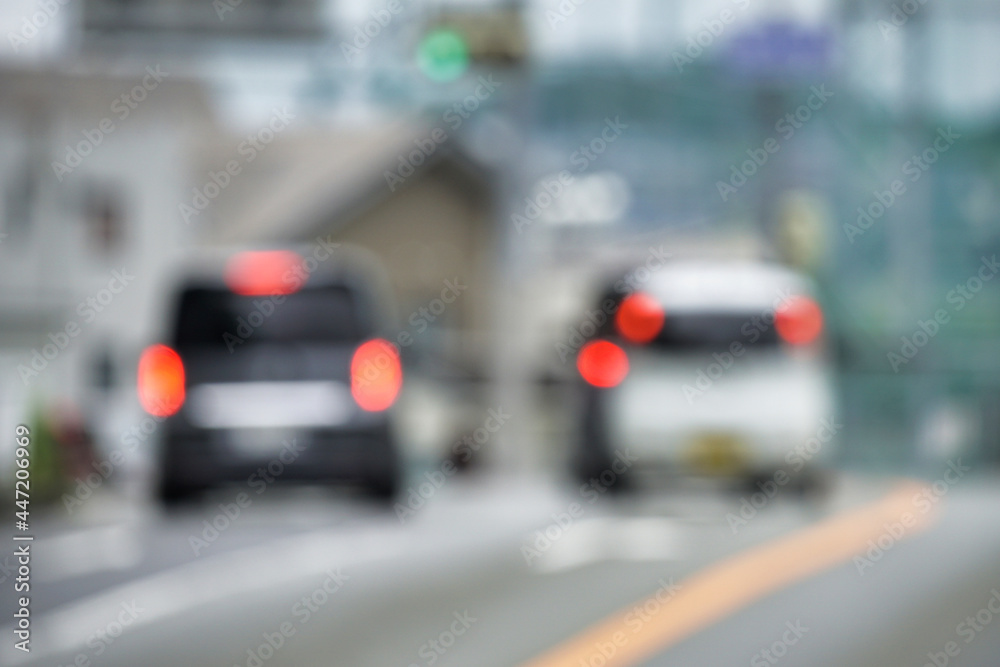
502,164
80,201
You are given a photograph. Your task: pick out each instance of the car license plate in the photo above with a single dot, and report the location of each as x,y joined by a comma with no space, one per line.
259,443
718,454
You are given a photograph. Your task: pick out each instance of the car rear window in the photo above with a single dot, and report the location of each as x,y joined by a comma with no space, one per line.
716,330
320,315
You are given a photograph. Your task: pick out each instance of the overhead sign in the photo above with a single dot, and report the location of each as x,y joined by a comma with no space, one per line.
781,49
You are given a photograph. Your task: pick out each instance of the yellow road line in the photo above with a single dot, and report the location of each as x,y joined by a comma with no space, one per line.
732,584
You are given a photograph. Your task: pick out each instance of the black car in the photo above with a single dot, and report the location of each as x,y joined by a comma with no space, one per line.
274,373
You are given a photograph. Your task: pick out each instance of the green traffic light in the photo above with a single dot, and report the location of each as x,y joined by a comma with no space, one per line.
443,55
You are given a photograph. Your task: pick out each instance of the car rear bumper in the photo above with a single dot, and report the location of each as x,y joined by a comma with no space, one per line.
721,451
687,441
203,457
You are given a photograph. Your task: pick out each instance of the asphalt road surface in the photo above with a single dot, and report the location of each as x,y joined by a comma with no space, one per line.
525,573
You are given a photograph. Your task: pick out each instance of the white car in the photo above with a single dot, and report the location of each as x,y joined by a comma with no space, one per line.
712,368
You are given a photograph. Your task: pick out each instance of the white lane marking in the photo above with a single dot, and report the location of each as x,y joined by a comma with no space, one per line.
609,539
199,582
290,561
86,552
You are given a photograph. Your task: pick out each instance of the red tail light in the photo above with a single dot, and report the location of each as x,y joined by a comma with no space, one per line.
161,381
639,318
799,321
267,273
376,375
602,363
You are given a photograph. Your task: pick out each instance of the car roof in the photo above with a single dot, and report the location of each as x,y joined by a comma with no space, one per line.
352,267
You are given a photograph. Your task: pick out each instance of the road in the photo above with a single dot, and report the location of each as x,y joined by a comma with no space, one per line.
527,573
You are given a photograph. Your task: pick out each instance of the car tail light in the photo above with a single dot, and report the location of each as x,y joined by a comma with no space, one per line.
799,321
639,318
161,381
602,363
376,375
265,273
